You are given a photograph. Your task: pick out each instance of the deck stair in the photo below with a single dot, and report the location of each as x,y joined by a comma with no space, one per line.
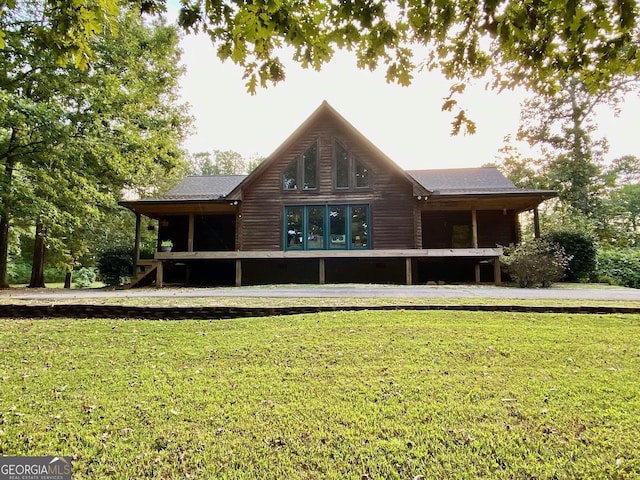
144,268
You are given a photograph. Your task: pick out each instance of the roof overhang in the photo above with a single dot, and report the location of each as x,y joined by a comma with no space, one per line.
160,208
518,201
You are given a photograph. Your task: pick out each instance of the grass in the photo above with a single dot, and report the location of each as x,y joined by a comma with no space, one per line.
373,395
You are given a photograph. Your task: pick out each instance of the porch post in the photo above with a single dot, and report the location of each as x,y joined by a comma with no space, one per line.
159,279
408,266
190,237
536,223
497,276
238,272
474,232
321,271
474,227
136,250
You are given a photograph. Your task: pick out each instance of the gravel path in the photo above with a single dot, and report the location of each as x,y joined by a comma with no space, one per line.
560,292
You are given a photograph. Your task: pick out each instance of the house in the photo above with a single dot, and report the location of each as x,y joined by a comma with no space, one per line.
329,207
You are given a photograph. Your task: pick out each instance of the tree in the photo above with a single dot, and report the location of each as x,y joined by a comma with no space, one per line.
222,162
563,126
623,201
71,140
67,28
535,44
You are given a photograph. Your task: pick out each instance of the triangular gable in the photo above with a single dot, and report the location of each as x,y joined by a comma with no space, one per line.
323,110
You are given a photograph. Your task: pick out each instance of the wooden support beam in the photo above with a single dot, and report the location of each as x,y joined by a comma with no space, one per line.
136,251
474,228
409,270
321,272
477,273
238,272
191,230
159,279
497,275
536,223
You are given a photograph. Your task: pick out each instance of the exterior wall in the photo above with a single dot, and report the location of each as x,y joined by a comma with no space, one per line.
495,227
389,195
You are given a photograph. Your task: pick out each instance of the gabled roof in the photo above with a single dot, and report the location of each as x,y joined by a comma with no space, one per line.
207,187
464,180
323,110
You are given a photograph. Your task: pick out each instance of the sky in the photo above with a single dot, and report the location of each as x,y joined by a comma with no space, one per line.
406,123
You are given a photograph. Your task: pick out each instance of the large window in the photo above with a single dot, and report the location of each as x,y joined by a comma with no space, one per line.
321,227
308,169
350,172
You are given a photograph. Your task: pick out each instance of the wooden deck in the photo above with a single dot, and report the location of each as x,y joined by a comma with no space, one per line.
479,254
408,253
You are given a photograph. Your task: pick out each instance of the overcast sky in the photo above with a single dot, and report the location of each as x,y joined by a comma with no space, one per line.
404,122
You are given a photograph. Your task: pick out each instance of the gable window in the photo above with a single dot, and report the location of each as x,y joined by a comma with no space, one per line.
322,227
362,174
307,166
350,172
310,168
290,176
342,166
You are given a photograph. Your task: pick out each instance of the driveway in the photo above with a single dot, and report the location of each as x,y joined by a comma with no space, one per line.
559,292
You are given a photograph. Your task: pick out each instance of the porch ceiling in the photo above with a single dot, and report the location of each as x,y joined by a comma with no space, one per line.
157,209
512,201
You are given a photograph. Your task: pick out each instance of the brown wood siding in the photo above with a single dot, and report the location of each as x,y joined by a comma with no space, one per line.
496,227
389,195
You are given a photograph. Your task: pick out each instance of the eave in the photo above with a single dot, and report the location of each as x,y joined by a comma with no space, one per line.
160,208
519,201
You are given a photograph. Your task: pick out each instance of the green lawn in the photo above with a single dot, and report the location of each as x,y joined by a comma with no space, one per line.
366,395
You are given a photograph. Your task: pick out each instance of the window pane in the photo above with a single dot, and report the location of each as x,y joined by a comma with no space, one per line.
294,227
290,176
337,227
359,226
342,166
310,168
315,227
362,175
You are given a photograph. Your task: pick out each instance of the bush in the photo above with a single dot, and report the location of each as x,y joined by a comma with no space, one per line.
18,271
84,277
535,263
580,246
620,267
116,266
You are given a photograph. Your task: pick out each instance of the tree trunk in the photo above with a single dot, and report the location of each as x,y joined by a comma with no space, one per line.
5,215
4,250
37,268
67,279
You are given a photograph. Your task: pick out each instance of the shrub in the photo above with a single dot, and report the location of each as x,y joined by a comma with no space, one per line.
581,247
84,277
535,263
116,266
18,271
619,266
54,274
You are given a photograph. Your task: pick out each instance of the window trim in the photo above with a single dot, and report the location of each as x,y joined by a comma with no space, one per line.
326,228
